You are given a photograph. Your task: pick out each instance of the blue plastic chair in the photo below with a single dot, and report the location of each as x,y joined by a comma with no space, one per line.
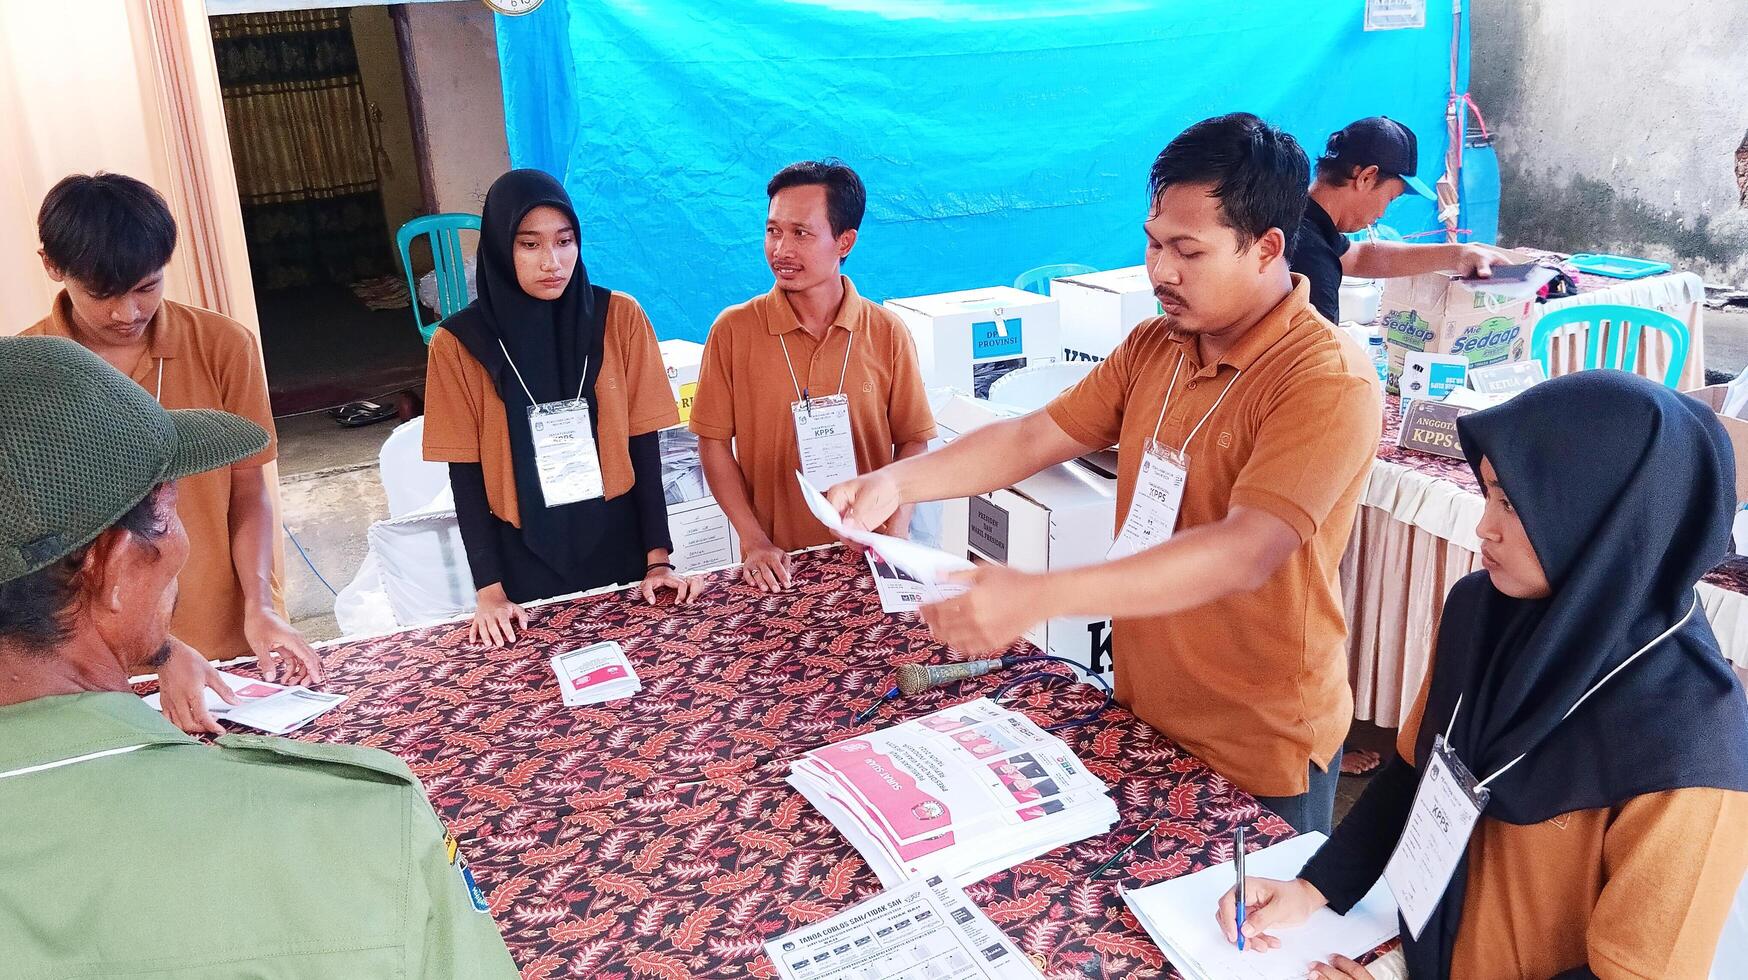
1625,321
444,230
1038,280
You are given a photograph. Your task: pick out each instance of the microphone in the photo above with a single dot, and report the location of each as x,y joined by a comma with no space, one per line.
916,678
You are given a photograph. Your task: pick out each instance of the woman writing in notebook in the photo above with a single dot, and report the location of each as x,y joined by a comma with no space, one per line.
1578,681
544,396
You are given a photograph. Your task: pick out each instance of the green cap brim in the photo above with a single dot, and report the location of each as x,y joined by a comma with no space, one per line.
207,440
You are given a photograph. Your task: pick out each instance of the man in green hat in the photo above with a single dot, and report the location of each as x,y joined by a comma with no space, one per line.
129,847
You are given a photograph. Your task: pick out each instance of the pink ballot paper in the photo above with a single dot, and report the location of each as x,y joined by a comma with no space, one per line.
596,673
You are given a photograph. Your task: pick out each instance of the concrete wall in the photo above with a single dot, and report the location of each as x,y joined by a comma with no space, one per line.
1620,126
453,58
379,64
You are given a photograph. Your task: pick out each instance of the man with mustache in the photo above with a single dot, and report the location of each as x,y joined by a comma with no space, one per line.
1245,428
132,849
810,376
107,238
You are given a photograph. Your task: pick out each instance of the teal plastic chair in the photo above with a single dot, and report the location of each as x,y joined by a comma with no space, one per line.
444,231
1624,321
1038,280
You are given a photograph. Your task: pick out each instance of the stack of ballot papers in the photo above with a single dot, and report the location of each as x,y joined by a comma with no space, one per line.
596,673
963,793
265,706
1179,915
926,930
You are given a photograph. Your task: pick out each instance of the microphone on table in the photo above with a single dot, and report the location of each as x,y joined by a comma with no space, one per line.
917,678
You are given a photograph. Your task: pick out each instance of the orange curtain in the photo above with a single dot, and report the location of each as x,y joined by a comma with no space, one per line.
140,97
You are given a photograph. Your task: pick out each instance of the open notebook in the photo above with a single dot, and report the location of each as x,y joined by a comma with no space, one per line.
1179,915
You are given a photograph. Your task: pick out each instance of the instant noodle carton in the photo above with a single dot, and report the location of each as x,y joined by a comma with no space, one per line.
1447,314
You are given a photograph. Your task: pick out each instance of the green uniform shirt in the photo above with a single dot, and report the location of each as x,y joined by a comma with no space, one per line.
260,858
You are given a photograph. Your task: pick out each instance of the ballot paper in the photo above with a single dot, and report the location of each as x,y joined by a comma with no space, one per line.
900,592
595,673
964,792
926,930
919,561
1179,915
264,706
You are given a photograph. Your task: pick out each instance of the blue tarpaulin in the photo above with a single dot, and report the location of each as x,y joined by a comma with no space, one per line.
993,135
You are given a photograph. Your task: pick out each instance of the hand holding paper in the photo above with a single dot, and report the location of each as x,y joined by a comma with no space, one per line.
921,562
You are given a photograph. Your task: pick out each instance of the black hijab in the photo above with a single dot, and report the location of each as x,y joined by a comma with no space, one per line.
552,343
1626,491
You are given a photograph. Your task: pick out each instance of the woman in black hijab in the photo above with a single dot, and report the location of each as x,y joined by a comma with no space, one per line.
539,339
1577,678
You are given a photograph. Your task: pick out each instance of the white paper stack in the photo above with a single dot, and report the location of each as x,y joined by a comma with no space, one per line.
596,673
1179,915
265,706
964,792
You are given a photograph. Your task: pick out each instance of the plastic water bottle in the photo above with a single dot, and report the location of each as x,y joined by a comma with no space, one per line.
1380,359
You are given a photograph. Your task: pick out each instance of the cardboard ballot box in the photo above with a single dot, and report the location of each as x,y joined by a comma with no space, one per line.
1486,321
1098,309
1063,517
968,339
1713,398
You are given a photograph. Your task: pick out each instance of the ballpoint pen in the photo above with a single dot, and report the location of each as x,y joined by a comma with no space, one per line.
1238,863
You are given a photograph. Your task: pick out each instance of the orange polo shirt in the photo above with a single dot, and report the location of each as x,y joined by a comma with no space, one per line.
1255,684
465,420
1641,889
196,358
745,390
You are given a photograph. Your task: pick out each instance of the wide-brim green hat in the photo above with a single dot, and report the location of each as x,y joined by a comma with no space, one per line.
81,445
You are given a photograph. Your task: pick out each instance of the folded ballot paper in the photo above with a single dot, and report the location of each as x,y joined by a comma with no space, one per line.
965,792
596,673
265,706
1179,915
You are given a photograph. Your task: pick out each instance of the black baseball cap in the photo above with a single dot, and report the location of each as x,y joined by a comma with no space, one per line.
81,445
1382,142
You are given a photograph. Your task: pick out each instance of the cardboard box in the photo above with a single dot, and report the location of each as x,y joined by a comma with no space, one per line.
682,359
1099,309
968,339
1063,517
1712,396
1441,313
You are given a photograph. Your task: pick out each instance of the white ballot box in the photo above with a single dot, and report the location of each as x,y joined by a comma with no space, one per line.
1063,517
703,537
967,339
682,359
1098,310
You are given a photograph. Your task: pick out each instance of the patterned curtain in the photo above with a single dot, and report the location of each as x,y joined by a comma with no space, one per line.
304,145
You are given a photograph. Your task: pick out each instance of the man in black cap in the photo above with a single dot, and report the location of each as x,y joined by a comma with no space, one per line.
1365,167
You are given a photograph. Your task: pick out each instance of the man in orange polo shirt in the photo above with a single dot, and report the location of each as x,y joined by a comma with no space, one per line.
1245,429
107,238
811,361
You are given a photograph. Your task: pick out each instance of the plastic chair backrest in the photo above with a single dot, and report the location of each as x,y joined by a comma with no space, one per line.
408,480
1038,280
1622,350
446,255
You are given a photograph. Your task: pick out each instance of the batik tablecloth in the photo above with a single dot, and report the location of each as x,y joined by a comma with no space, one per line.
1414,538
655,837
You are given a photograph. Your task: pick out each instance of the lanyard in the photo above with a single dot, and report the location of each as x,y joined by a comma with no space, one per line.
1585,697
531,399
1173,384
800,392
159,394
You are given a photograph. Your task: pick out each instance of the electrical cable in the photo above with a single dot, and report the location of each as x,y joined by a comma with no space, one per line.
1085,717
306,560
